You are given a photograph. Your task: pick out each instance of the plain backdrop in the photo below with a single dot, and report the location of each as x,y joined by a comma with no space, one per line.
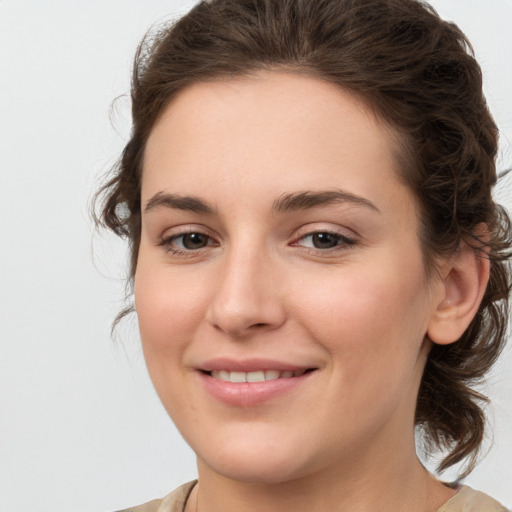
80,426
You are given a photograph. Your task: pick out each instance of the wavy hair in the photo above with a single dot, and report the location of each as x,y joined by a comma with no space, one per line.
419,74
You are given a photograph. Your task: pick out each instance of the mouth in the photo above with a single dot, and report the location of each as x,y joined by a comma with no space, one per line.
257,375
250,382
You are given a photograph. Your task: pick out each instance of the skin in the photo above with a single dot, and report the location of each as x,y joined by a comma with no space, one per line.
256,286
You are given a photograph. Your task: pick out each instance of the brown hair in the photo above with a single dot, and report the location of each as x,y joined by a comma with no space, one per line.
418,73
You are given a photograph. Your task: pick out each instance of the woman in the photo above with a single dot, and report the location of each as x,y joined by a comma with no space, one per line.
319,269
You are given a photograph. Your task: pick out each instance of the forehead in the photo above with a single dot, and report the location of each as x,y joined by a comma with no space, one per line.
297,131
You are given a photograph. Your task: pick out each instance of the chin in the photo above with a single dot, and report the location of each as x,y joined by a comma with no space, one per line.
249,471
263,463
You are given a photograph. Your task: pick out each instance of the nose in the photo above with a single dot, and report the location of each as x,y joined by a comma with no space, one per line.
247,298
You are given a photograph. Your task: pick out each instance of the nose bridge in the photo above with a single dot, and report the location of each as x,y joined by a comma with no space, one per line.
247,297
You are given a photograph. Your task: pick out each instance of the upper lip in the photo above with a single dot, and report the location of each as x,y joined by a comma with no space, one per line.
249,365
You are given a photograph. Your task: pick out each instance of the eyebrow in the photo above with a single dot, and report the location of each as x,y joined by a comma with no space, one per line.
287,202
177,202
309,199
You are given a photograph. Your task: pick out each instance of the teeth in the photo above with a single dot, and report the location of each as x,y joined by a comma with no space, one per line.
257,376
238,377
272,374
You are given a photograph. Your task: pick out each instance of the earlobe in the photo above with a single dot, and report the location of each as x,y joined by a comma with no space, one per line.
465,279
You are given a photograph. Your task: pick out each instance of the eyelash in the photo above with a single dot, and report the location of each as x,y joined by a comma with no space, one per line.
167,243
343,243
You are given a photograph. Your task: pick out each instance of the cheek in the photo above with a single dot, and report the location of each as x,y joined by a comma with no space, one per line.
167,304
169,309
372,321
168,312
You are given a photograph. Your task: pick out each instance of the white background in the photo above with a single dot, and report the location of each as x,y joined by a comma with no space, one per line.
80,427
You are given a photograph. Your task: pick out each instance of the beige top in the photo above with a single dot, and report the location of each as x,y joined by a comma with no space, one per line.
466,500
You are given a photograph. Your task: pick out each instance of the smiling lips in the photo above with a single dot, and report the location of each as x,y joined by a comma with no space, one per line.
245,385
255,376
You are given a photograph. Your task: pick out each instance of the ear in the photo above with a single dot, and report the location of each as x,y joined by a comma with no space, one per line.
463,282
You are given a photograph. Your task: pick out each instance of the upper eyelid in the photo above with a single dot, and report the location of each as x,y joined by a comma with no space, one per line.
185,229
319,227
335,233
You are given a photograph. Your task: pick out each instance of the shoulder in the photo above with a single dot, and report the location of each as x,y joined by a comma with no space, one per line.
174,502
469,500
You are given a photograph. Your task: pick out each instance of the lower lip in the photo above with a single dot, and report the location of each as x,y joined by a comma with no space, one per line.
245,394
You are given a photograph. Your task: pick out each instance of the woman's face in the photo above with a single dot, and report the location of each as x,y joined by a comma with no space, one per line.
280,289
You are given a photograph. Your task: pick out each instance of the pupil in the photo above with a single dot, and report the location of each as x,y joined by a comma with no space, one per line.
324,240
194,241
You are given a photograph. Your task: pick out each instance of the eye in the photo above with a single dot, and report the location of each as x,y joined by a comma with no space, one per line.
183,243
325,240
191,241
